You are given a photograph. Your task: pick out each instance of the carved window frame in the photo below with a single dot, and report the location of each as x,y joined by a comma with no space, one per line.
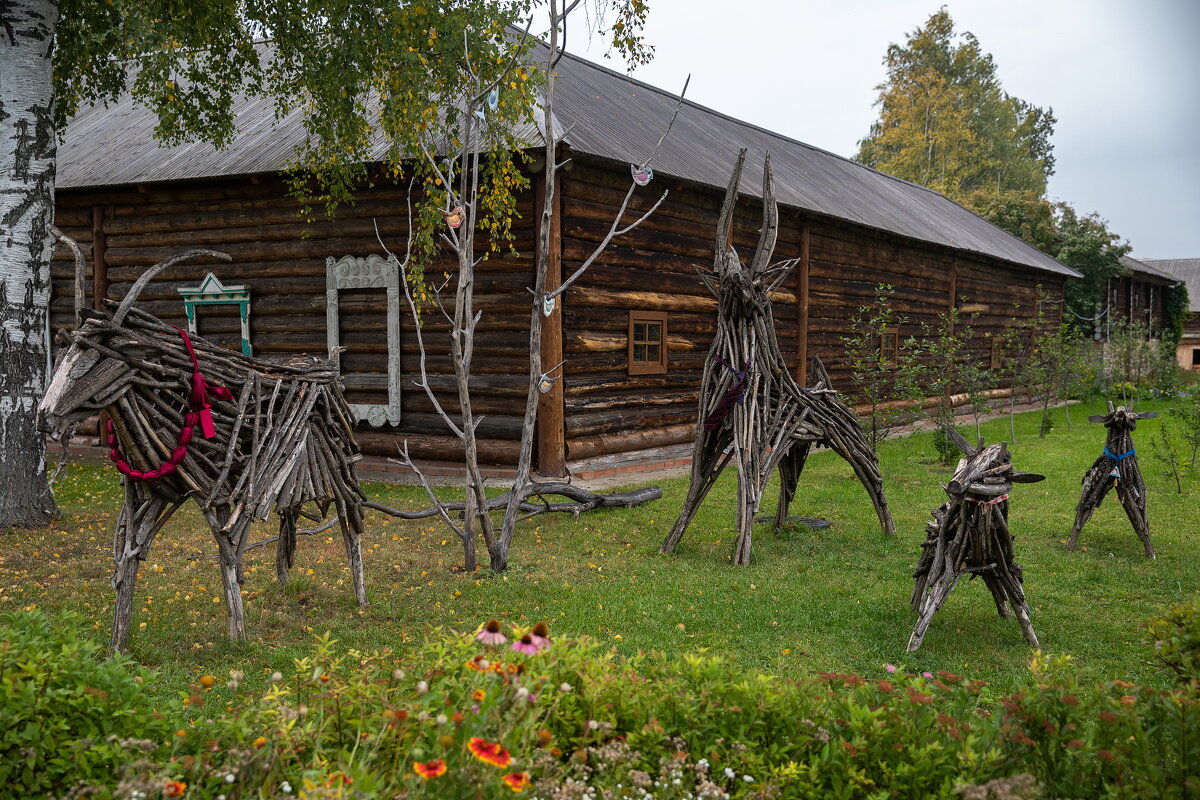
211,292
645,366
371,272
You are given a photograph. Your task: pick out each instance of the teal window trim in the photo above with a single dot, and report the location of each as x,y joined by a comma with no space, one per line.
211,292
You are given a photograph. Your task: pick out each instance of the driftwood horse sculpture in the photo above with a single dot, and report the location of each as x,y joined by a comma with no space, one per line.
1116,467
752,411
969,535
187,419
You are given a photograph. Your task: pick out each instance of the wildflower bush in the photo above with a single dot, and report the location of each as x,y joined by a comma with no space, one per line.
572,721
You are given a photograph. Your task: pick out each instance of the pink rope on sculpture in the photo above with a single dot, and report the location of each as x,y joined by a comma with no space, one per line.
200,413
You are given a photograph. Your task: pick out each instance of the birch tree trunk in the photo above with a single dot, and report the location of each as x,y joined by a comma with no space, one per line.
27,156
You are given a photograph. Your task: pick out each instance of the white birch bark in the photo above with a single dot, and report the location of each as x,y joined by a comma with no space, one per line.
27,159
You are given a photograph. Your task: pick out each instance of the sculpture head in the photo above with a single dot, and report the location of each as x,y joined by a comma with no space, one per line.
984,470
86,378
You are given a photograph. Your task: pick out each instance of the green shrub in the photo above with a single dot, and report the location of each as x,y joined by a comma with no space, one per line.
1176,639
66,714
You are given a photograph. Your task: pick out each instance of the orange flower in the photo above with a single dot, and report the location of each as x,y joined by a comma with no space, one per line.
544,738
338,779
174,789
517,781
489,752
478,695
207,681
259,742
430,769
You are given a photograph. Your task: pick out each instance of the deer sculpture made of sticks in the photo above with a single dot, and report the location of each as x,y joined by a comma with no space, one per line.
969,535
752,411
186,419
1116,467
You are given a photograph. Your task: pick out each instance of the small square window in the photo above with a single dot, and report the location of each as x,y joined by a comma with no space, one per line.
647,342
889,347
1196,356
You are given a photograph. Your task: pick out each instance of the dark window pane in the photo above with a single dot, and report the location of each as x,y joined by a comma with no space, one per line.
652,353
653,332
639,353
639,331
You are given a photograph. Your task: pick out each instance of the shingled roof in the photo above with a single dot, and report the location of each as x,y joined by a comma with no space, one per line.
1183,269
608,115
1147,270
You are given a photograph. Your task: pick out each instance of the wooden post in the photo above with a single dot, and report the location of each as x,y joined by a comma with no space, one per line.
802,310
99,264
551,424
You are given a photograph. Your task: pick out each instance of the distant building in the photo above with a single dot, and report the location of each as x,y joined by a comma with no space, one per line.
1139,296
1188,271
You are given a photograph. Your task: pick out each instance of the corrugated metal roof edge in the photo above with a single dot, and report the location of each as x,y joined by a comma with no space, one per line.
844,221
1071,272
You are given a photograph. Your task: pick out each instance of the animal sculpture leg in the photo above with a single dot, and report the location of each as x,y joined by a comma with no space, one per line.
230,562
141,518
350,535
1134,503
285,546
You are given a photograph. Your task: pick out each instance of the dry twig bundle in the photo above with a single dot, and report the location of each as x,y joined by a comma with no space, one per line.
282,437
752,411
969,535
1116,466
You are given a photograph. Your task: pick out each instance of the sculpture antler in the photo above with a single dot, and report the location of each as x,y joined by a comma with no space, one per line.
147,276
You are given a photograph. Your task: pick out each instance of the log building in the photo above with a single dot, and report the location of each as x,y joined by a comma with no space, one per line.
1186,270
634,331
1139,296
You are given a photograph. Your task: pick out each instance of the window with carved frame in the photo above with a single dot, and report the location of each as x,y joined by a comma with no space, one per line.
647,342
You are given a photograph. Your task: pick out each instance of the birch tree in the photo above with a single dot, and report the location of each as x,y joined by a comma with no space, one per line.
27,150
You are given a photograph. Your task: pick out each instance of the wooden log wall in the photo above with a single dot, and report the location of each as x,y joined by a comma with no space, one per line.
652,269
281,260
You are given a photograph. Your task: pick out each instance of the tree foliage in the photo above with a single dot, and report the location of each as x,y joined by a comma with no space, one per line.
945,121
1086,244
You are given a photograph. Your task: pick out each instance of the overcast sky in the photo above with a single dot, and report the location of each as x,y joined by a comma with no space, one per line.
1123,78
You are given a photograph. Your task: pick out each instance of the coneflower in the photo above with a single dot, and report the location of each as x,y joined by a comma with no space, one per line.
491,633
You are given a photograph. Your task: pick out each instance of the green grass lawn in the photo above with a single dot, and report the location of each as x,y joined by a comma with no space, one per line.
830,600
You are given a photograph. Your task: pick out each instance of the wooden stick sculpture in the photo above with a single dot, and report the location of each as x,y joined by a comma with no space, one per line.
1116,466
751,409
969,535
240,436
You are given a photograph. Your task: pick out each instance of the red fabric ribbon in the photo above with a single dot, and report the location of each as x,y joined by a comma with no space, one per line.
201,413
200,388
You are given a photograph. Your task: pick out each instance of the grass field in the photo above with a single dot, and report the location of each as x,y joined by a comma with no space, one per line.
831,600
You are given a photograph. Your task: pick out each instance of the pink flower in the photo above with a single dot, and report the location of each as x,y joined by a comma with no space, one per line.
490,634
525,645
540,635
927,675
890,668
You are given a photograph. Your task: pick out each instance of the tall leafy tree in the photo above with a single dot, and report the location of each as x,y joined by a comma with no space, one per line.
946,122
360,73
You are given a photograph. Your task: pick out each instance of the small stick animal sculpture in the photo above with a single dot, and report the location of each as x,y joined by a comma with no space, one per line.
752,411
249,435
1116,466
969,535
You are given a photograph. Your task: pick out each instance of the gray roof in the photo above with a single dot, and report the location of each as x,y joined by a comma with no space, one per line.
1146,269
608,115
1184,269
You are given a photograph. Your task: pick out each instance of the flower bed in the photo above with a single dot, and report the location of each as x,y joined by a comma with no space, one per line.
569,720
